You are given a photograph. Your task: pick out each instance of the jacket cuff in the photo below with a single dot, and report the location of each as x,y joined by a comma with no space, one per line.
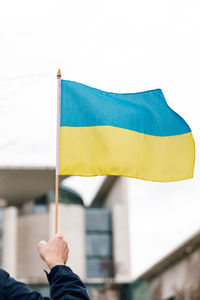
56,269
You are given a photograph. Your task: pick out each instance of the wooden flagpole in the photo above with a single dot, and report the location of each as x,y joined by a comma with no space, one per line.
57,148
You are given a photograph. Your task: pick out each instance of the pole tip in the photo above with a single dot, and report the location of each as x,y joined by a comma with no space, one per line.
59,74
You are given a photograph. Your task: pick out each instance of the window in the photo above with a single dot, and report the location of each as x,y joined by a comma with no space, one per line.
40,205
98,219
99,243
35,206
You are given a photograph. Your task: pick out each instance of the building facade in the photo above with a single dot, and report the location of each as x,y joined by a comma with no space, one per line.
98,238
175,277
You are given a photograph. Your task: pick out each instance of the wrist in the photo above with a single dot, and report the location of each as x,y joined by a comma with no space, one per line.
52,264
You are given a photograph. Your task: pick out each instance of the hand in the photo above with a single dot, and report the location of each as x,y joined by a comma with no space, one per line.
55,251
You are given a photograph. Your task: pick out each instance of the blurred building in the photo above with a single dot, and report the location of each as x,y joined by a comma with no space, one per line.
175,277
98,238
98,235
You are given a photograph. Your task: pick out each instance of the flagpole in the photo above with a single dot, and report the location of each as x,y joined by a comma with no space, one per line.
57,148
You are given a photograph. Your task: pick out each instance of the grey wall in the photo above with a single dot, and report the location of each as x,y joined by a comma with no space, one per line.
183,276
117,201
31,229
72,225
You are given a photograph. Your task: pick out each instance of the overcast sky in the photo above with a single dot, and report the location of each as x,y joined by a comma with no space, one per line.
118,46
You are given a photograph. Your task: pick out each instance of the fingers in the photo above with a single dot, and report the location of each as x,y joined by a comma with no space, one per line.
61,238
41,245
60,235
55,251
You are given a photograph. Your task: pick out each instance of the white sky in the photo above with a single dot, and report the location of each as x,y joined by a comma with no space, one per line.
119,46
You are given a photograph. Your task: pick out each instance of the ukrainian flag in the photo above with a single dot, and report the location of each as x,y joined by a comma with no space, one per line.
135,135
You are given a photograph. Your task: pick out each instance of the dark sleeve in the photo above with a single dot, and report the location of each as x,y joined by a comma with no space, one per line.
65,285
15,290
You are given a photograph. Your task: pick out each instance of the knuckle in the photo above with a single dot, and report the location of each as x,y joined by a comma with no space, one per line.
40,244
60,235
